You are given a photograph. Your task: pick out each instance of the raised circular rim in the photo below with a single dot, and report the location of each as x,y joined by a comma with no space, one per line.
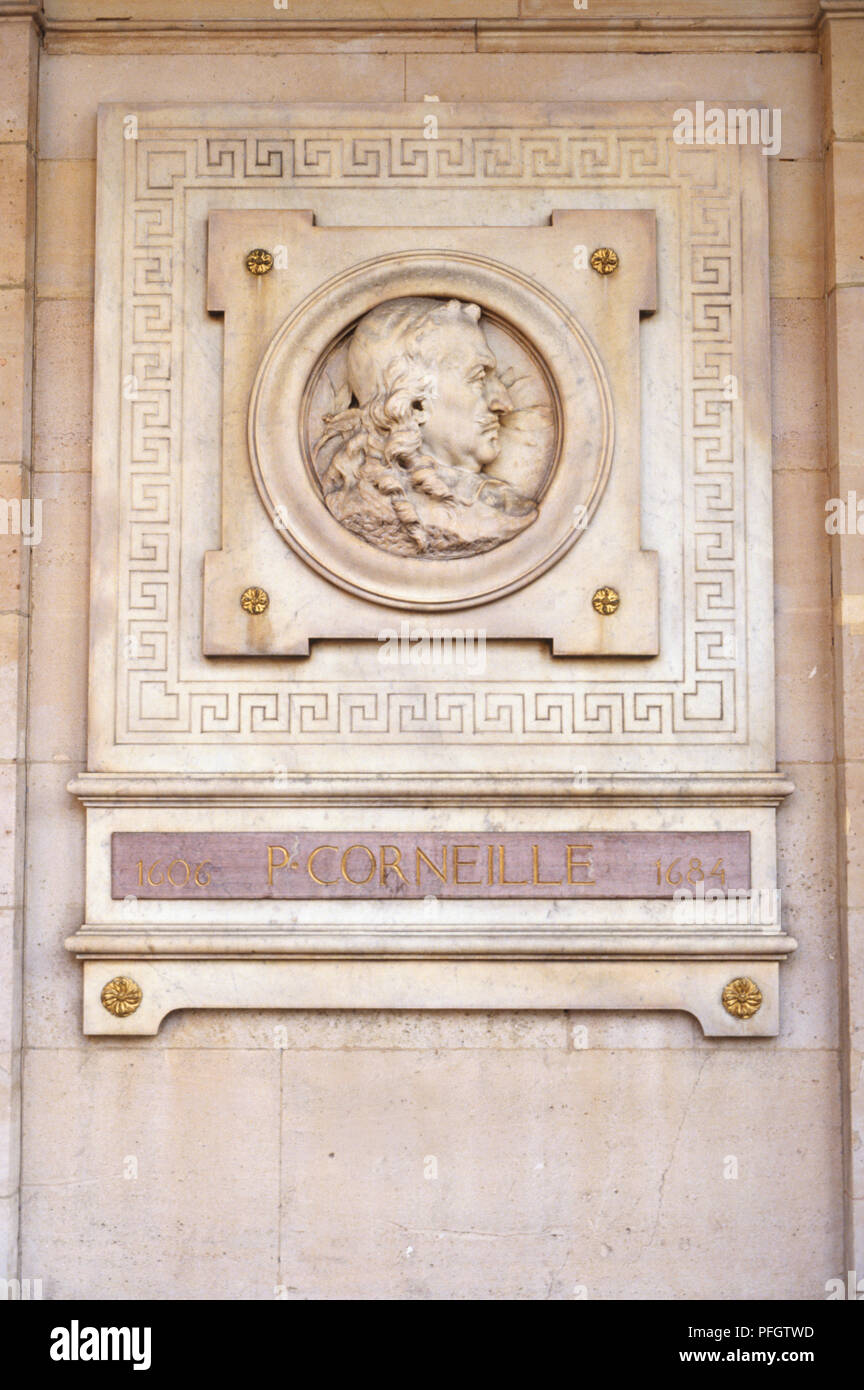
349,561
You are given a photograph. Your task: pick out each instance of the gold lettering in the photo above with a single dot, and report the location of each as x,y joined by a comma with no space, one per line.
358,881
442,872
579,864
502,874
271,862
457,849
309,862
396,862
185,866
535,854
490,863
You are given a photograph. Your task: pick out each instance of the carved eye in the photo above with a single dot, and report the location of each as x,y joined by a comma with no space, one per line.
417,405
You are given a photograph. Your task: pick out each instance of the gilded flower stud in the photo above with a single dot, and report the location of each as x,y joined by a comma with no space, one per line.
606,601
255,601
121,996
259,261
742,998
604,260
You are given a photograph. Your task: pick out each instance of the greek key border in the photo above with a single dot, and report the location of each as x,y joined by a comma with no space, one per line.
156,706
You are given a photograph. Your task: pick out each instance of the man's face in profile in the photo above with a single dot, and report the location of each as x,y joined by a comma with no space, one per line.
460,416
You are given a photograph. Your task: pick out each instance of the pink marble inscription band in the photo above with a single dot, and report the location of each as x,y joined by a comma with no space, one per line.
466,864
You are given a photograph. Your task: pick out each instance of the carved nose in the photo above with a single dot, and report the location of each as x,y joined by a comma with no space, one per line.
498,397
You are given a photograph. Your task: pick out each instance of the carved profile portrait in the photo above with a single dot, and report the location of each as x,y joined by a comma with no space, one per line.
431,448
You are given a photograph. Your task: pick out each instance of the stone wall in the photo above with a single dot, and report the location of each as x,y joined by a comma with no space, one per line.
424,1154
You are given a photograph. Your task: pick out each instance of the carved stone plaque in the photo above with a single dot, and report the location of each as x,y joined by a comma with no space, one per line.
430,429
360,394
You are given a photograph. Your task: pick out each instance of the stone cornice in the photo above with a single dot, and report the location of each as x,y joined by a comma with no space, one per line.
10,9
796,33
625,789
536,26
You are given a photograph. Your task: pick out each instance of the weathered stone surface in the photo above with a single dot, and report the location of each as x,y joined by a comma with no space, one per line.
522,1110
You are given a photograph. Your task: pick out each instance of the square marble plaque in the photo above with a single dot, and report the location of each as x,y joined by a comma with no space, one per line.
565,340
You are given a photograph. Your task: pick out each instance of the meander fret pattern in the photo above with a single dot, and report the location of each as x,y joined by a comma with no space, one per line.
160,706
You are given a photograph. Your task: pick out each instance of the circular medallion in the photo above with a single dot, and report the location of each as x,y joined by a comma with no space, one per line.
426,449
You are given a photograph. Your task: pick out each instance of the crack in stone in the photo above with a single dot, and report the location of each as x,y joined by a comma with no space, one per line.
689,1101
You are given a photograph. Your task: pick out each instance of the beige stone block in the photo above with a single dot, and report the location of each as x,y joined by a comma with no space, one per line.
798,383
67,121
789,81
66,219
14,553
851,683
59,589
847,512
19,48
9,1229
695,10
55,905
853,808
801,1027
846,367
855,950
802,557
849,573
11,830
16,209
10,1136
16,357
13,665
809,1007
617,1028
303,1030
796,228
849,477
63,386
806,840
845,202
151,1175
536,1174
834,382
857,1155
845,77
806,844
323,11
287,40
377,1029
10,1015
855,956
805,686
807,879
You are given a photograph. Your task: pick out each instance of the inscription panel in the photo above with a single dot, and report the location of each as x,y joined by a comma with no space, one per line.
469,864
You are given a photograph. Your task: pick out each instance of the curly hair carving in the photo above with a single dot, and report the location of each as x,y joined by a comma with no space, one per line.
389,376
